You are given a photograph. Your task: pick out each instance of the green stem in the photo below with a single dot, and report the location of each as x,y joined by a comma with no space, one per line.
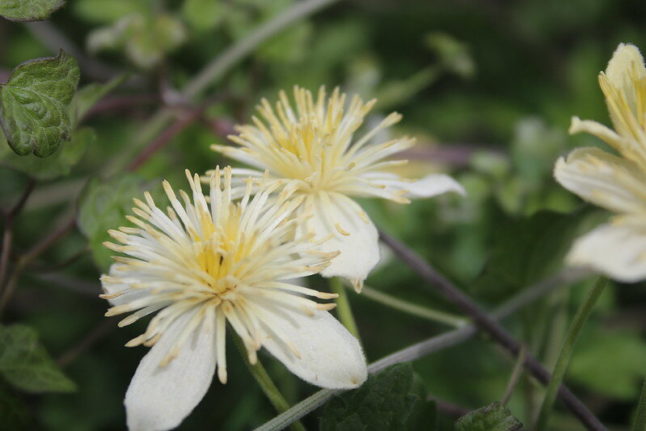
413,309
266,384
343,306
640,416
515,376
563,360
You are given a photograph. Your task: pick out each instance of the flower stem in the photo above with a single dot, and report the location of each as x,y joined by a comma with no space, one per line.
640,416
413,309
343,306
266,384
563,360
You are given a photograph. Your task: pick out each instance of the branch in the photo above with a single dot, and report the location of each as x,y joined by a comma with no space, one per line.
487,324
428,346
220,65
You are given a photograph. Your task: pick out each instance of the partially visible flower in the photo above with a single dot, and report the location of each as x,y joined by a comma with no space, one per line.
314,152
208,261
615,182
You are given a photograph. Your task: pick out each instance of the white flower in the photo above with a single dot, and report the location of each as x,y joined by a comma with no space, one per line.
314,151
615,182
208,261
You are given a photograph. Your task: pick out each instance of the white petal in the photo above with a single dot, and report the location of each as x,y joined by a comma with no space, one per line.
625,59
604,179
159,398
330,357
432,185
616,249
350,231
602,132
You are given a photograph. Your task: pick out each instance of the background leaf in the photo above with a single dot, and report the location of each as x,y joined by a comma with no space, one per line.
58,164
391,400
29,10
25,363
34,104
494,417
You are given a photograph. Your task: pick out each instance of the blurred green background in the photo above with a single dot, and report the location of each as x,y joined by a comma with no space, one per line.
487,88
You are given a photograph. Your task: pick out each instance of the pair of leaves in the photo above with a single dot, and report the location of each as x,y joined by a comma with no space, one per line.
25,363
29,10
394,399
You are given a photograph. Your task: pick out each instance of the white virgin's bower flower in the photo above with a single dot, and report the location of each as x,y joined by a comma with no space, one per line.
208,261
312,149
615,182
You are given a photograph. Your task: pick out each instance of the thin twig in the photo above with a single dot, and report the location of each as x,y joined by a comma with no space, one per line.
220,65
343,309
515,377
163,139
487,324
7,236
98,332
413,309
426,347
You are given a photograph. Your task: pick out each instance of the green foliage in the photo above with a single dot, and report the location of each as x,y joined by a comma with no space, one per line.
145,38
34,105
526,250
58,164
610,362
394,400
104,206
14,414
203,15
494,417
25,363
88,96
29,10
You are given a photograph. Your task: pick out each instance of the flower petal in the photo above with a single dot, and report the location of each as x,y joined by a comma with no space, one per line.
616,249
159,398
625,60
604,179
330,357
431,185
349,231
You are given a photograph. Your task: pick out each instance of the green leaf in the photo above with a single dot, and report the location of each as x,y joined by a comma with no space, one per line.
25,363
104,206
203,15
34,104
529,249
14,414
609,361
145,39
58,164
29,10
88,96
391,400
494,417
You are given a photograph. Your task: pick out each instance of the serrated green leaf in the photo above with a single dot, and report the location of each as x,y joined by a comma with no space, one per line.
391,400
88,96
494,417
59,164
29,10
25,363
104,206
34,104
